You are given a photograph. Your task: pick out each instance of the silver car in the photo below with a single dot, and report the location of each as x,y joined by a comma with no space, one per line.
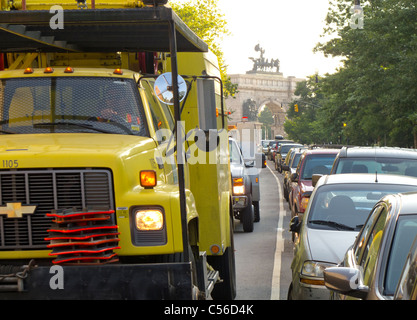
372,267
337,210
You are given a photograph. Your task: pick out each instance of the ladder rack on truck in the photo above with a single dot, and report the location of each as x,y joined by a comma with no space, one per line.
25,35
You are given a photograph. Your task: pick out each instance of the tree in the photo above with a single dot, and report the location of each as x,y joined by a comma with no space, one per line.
206,20
374,92
265,117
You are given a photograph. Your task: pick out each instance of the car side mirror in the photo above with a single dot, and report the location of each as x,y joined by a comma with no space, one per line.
347,281
294,177
295,224
315,178
285,167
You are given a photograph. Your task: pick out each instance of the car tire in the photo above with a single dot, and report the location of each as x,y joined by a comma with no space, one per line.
286,196
289,296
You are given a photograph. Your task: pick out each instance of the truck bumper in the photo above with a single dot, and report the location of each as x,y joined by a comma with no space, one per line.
240,202
110,282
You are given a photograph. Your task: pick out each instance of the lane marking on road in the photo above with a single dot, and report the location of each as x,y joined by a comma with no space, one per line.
279,247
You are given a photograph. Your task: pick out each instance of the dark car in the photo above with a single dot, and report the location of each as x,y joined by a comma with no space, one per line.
282,153
317,161
382,160
372,267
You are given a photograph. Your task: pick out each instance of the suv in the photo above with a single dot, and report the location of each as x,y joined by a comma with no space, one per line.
245,187
380,160
317,161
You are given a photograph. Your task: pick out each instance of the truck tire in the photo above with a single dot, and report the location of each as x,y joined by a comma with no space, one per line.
247,215
256,211
225,264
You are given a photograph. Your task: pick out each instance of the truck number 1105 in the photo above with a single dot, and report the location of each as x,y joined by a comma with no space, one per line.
10,163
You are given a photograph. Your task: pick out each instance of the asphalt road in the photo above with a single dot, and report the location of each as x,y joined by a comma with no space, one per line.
263,257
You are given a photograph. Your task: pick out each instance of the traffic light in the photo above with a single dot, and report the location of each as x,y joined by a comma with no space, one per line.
296,107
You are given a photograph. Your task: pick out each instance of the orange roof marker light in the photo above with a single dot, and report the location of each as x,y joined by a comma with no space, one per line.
148,179
69,70
118,71
28,70
48,70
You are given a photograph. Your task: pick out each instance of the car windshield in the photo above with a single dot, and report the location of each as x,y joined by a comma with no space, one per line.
405,232
265,144
71,104
285,148
347,206
317,164
407,167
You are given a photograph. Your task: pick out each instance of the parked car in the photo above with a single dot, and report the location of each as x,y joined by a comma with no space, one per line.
407,285
282,153
289,167
372,267
317,161
245,184
265,146
271,147
384,160
338,208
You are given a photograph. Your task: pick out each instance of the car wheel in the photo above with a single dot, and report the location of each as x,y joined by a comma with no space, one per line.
256,211
289,296
285,193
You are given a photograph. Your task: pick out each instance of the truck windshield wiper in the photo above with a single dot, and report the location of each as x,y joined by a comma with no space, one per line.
70,124
333,224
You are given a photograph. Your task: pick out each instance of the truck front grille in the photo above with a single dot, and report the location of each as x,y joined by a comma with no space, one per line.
48,190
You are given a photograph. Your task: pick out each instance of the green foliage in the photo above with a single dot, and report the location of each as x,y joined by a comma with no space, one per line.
208,23
373,93
265,117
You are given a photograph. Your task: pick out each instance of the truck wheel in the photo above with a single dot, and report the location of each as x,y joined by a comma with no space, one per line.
248,217
225,264
256,212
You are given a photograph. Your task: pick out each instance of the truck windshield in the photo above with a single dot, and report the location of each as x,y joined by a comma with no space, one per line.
71,104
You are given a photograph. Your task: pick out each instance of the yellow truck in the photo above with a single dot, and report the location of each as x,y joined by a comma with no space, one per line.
114,170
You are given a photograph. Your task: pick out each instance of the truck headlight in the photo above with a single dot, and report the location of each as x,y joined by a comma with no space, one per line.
238,186
149,219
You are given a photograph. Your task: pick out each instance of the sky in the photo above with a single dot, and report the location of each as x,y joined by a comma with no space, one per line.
285,29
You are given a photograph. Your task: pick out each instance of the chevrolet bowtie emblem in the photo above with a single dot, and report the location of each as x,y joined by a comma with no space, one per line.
16,210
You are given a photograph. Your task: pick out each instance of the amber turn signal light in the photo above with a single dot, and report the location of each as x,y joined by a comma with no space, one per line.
147,178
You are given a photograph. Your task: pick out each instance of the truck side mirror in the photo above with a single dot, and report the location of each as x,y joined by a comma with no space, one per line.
260,160
164,90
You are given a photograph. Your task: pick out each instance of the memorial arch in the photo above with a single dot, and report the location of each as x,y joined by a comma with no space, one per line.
264,87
